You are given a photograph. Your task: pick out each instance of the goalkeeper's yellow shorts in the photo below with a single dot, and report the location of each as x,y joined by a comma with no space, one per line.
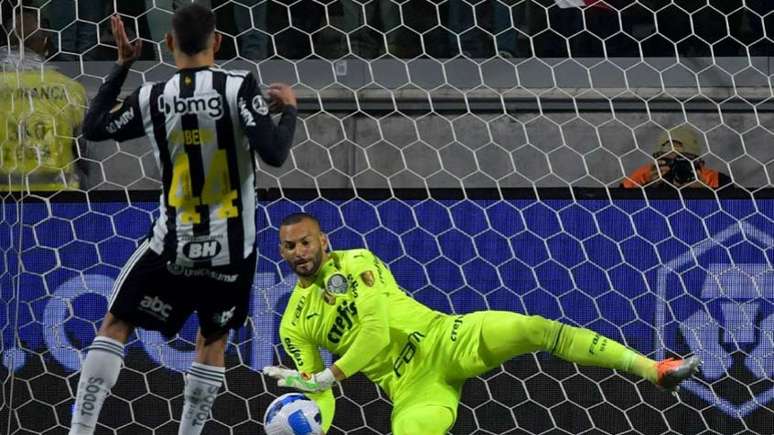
427,403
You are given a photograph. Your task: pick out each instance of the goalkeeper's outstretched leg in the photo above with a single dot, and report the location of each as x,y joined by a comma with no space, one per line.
506,334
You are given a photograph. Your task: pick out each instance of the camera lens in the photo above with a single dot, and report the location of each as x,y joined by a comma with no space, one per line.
681,170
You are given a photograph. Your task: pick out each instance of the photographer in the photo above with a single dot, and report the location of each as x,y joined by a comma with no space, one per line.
677,164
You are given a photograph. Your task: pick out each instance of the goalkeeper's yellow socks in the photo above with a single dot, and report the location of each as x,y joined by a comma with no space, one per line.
644,367
586,347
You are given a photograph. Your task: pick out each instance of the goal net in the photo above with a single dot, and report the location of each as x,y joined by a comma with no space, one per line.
477,147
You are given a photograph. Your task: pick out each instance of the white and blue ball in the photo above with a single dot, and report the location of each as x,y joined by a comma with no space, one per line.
292,414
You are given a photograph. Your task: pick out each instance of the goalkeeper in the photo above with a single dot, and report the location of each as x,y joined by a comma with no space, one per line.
349,303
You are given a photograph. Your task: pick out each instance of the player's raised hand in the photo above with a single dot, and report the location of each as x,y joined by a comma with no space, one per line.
280,95
127,52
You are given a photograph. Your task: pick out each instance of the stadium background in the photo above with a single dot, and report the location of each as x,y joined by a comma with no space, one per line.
482,181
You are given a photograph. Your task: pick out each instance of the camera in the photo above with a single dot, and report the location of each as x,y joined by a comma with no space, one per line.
681,170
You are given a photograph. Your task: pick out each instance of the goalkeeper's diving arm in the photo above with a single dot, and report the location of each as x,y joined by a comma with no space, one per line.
306,358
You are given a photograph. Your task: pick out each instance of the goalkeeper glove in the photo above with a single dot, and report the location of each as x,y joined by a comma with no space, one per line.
314,383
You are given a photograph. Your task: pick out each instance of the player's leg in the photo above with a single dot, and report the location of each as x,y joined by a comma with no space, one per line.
426,399
423,419
506,334
105,355
99,373
140,299
222,302
203,382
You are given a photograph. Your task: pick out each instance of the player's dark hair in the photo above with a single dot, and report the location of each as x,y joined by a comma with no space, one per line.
295,218
193,25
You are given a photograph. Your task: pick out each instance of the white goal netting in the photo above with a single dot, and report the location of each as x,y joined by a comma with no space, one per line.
477,147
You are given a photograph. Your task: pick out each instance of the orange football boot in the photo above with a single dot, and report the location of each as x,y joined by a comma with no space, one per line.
672,371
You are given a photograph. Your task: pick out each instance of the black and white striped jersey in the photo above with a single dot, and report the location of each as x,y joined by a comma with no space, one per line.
204,125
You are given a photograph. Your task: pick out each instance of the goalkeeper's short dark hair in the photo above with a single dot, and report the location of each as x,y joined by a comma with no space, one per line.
193,26
295,218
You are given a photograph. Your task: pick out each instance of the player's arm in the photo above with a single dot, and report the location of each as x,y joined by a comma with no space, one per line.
271,142
306,357
371,302
104,121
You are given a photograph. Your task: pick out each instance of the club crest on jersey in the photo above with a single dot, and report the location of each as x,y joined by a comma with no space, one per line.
336,284
201,250
209,103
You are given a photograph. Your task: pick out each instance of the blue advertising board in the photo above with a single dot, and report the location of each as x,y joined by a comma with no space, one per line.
669,277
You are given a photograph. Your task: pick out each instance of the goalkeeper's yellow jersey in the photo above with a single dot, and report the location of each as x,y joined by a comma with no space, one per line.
370,322
39,111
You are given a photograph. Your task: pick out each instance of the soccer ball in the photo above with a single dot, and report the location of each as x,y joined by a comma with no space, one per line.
292,414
